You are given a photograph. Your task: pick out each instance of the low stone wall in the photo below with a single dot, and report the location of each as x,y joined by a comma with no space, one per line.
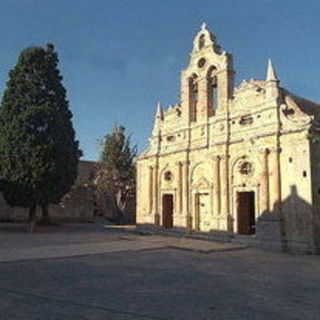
77,206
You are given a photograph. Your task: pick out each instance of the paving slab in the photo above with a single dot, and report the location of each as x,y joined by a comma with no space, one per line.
203,246
80,241
163,284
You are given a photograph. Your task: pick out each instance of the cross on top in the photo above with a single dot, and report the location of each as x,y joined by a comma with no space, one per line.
203,26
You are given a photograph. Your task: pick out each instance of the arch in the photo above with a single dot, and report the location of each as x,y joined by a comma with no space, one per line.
165,168
193,97
211,70
249,174
212,90
202,41
204,177
198,164
235,160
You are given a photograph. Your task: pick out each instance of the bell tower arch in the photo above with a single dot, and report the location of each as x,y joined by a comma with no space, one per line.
208,81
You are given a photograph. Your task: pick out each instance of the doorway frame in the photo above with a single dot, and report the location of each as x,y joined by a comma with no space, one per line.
244,188
165,217
246,218
174,197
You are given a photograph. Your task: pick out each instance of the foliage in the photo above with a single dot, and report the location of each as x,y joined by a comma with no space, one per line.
39,153
116,170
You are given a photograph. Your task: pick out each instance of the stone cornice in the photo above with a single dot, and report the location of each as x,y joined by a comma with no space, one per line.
226,142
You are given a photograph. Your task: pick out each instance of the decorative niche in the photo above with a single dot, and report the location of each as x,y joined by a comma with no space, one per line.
246,120
171,138
168,176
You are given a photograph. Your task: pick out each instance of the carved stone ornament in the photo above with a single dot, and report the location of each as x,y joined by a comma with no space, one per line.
168,176
246,168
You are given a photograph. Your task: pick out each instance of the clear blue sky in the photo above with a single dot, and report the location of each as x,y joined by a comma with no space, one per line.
118,58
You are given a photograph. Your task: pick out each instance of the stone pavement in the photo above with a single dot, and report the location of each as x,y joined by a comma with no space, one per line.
146,277
73,240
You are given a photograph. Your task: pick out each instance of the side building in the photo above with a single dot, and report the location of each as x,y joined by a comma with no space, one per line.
241,160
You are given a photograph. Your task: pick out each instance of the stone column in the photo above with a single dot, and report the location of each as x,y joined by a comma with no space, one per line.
156,194
224,186
180,187
216,186
264,185
150,189
186,195
138,183
270,228
274,180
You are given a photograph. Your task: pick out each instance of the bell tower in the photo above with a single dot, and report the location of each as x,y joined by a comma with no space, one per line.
208,81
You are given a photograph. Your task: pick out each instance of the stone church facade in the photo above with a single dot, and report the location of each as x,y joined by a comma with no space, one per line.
233,160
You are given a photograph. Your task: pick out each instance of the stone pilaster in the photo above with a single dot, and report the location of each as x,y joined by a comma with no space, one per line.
185,97
150,189
186,194
216,186
274,180
264,185
270,228
224,186
156,193
180,187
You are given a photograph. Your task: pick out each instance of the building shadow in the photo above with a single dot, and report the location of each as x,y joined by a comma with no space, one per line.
291,226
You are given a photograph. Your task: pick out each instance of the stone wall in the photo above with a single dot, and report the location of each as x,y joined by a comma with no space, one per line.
77,205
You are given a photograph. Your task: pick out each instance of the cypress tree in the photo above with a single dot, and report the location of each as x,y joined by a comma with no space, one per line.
39,152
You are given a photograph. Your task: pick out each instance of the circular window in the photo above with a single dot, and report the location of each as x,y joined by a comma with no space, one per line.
245,168
201,62
168,176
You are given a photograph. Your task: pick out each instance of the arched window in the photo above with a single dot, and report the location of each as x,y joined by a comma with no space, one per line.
193,97
202,41
212,91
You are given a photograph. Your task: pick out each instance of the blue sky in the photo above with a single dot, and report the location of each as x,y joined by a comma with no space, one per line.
118,58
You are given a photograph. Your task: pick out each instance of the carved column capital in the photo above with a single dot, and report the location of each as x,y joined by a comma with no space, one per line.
275,150
216,158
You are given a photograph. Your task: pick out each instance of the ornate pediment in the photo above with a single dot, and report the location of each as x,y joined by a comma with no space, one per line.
201,183
292,112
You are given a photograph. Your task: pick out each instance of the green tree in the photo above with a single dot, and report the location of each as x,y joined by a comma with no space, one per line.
116,172
39,153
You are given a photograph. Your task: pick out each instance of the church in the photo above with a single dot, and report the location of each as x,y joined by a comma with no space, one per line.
242,161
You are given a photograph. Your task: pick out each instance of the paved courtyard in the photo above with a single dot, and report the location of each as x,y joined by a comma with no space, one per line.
93,272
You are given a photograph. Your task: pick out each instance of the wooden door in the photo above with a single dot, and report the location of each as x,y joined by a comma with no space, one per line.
167,210
246,212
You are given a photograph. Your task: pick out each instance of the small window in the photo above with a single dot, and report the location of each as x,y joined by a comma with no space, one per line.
304,173
201,62
290,159
168,176
246,120
246,168
202,41
170,138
